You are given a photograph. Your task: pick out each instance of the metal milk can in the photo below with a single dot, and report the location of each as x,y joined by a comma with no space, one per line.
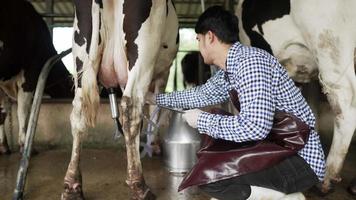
181,142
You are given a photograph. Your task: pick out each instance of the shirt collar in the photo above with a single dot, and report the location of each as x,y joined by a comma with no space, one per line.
231,55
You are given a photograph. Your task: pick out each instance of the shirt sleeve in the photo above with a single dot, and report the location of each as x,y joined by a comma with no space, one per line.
254,122
214,91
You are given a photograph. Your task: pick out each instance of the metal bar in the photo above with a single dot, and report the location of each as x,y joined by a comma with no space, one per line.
57,15
50,9
202,5
32,122
178,110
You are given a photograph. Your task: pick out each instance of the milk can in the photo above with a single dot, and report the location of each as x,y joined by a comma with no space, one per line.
181,142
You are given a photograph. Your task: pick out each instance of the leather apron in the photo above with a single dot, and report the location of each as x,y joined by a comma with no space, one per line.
220,159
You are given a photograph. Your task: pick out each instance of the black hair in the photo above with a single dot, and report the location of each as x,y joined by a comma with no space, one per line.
221,22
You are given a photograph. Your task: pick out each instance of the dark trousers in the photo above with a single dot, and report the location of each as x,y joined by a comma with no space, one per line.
289,176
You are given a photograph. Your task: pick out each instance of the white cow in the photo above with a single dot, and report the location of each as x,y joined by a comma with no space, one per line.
124,44
311,37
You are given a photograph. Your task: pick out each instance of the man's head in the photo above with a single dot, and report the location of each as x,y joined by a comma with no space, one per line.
215,26
220,22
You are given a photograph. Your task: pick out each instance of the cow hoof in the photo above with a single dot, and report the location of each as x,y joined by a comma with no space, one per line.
72,192
322,189
147,196
352,188
4,149
336,179
140,191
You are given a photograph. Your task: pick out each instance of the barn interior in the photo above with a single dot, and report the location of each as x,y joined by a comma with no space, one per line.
103,160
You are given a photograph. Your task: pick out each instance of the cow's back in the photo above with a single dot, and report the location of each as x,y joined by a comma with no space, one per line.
23,34
27,45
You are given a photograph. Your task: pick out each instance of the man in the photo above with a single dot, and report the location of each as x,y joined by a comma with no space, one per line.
263,87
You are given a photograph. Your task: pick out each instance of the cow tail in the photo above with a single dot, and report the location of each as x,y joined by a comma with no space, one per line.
91,98
90,94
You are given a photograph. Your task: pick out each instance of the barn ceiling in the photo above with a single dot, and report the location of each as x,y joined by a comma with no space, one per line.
62,12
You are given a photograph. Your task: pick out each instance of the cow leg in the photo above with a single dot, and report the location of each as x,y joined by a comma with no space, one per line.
24,100
140,77
5,107
4,147
334,53
339,83
131,112
86,53
344,126
73,179
131,117
352,187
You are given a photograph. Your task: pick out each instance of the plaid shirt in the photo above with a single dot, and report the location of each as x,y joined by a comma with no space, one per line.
263,86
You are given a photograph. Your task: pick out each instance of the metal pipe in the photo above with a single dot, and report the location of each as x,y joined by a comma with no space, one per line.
50,9
57,15
32,122
202,2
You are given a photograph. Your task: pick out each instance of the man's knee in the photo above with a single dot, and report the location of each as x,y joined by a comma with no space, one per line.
227,192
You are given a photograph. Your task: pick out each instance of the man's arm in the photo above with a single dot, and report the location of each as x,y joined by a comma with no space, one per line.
214,91
255,119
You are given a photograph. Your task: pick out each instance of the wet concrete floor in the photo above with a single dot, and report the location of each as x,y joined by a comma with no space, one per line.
104,173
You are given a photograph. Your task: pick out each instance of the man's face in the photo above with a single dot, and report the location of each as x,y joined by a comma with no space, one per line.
204,47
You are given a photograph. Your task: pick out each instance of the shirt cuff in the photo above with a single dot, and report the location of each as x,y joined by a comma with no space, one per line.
205,121
160,99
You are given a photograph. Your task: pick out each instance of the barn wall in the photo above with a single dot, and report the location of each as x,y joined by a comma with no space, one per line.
53,130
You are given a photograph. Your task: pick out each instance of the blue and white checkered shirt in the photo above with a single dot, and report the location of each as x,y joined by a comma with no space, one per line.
263,86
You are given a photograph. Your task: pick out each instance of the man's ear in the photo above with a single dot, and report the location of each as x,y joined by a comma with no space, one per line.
210,36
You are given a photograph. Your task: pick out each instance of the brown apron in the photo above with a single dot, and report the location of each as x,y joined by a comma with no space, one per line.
220,159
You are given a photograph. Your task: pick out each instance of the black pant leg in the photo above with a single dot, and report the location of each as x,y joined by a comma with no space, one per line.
227,190
291,175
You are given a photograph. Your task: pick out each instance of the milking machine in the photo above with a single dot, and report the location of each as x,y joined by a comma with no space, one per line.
115,112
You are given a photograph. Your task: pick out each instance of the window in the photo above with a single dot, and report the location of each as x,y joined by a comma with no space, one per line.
62,40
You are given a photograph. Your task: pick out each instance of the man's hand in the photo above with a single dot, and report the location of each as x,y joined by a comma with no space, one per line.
150,98
191,117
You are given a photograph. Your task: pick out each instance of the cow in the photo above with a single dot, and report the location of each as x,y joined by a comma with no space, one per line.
311,39
121,44
191,67
25,46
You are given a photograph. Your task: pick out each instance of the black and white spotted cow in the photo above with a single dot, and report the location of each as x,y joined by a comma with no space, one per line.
191,69
311,38
125,44
25,46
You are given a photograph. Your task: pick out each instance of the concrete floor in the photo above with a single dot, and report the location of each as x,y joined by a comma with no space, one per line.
104,173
